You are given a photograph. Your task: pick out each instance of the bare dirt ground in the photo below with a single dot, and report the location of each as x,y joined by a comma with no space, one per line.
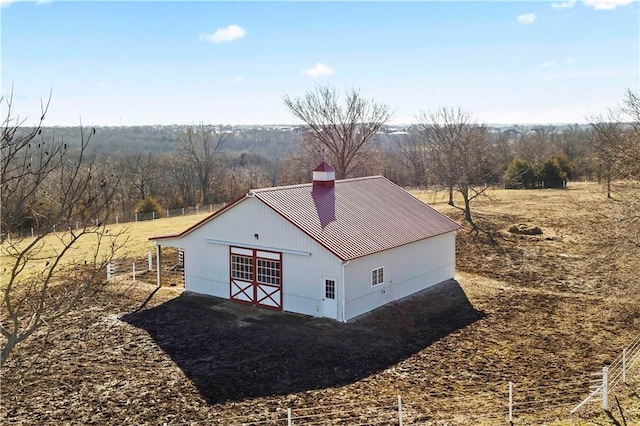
536,310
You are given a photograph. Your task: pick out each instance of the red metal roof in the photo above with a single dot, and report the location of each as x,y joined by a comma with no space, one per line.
358,216
324,167
355,218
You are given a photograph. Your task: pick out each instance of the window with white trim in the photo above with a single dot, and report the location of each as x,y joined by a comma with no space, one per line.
242,267
268,271
377,276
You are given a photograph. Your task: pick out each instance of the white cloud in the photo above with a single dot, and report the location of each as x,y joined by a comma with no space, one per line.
564,5
320,70
606,4
225,35
4,3
527,18
237,79
548,64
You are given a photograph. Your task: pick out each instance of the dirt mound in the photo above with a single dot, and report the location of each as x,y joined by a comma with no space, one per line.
525,229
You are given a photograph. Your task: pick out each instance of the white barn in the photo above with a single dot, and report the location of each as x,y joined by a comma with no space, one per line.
333,249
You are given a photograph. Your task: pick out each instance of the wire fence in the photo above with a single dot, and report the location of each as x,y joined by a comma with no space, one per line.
36,231
510,403
145,269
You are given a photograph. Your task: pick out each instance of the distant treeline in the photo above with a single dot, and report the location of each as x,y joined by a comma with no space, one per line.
153,161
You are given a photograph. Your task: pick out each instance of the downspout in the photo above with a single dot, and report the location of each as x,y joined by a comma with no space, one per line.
343,293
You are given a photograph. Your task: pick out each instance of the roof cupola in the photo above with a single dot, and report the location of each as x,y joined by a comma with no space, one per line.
324,175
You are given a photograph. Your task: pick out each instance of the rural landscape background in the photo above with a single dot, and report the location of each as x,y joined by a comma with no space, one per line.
516,119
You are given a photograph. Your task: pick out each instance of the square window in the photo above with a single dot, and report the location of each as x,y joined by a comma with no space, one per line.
241,267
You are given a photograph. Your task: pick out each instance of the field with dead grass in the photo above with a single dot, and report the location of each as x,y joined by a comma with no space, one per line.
542,311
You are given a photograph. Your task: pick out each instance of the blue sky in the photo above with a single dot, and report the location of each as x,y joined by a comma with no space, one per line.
151,62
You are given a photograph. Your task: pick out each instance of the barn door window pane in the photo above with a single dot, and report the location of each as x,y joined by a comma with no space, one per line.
377,276
268,271
242,267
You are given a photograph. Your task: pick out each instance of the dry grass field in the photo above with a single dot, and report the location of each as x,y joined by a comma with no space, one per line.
541,311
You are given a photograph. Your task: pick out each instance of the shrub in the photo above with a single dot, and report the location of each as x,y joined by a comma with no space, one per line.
149,205
519,175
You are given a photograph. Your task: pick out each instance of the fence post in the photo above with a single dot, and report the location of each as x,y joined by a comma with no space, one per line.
31,232
289,421
183,211
399,410
510,402
167,213
210,208
197,209
54,228
116,220
153,215
605,388
624,365
150,261
109,271
134,272
136,217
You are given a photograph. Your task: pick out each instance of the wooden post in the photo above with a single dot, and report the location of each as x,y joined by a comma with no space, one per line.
510,402
134,272
197,209
183,211
624,365
116,220
153,215
158,254
399,410
605,388
136,217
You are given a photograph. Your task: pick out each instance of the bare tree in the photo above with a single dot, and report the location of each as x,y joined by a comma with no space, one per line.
607,138
341,132
536,145
44,185
143,171
616,244
201,143
459,151
414,151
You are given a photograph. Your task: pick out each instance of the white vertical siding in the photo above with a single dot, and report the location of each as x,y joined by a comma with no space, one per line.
407,269
304,261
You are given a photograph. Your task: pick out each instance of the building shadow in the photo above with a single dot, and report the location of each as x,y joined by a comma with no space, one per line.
232,351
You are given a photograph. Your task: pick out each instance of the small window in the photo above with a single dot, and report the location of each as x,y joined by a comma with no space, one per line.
329,289
377,276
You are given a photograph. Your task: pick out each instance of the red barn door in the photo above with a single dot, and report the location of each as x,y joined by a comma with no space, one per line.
256,277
